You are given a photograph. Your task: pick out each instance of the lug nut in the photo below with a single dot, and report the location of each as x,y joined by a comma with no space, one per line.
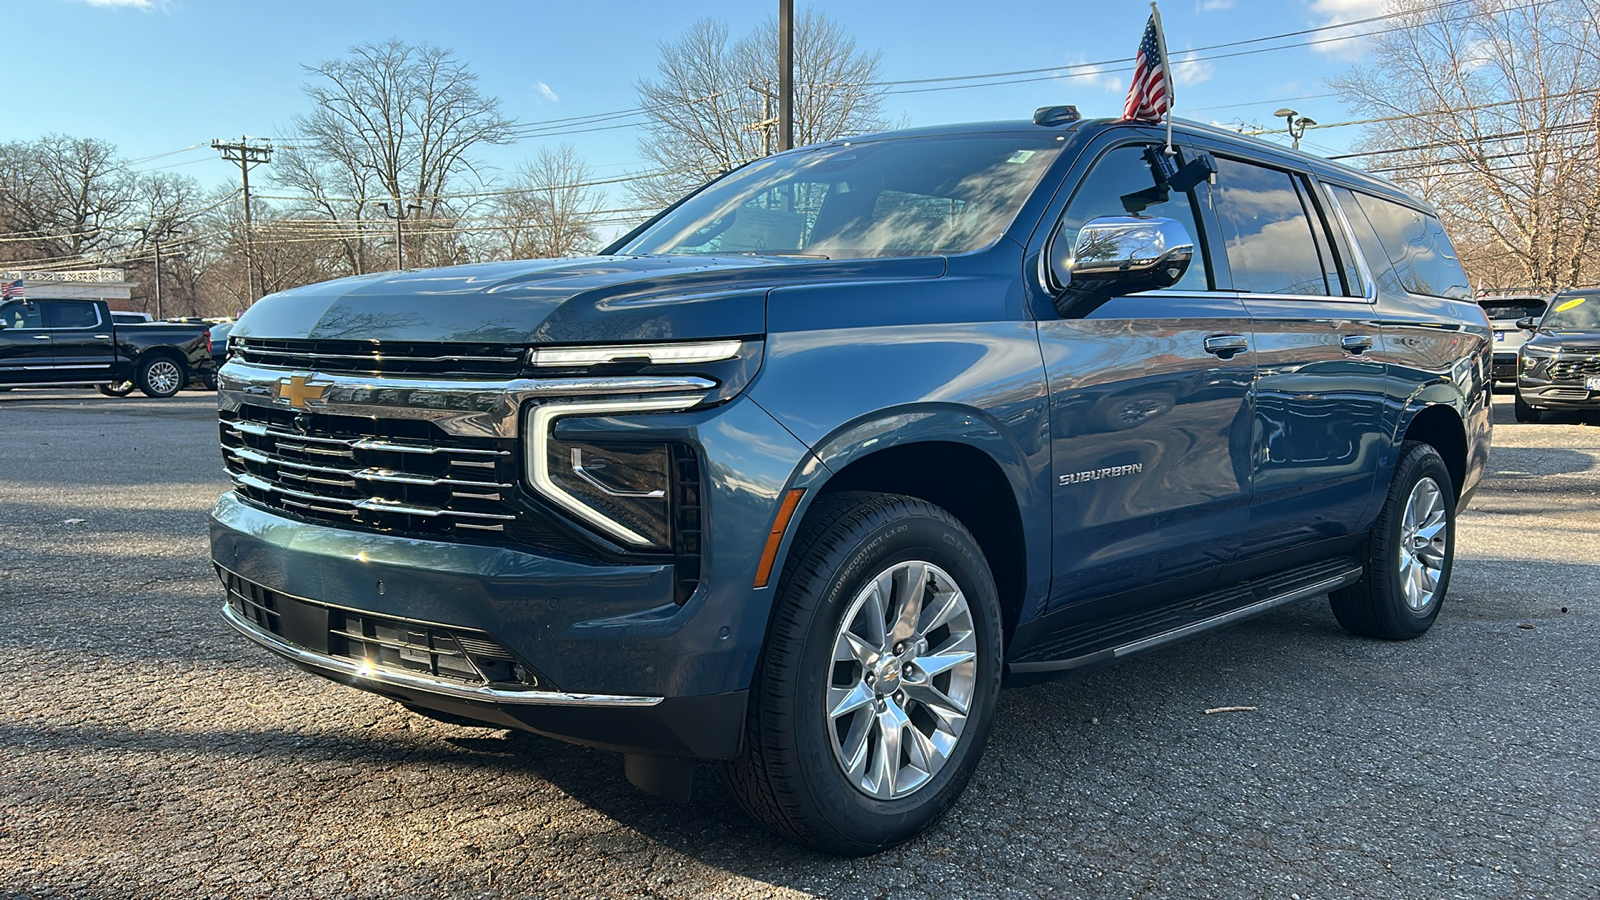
871,678
899,648
909,670
900,696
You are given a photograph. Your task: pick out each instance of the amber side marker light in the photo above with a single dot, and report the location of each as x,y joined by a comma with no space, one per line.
779,526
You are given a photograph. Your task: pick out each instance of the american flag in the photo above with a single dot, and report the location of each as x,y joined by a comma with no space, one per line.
11,289
1150,95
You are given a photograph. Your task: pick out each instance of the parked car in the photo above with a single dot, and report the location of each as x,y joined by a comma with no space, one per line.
217,346
1559,364
794,474
58,342
130,318
1503,313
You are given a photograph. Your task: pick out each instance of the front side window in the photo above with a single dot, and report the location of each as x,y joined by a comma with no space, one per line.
71,314
1122,183
924,196
21,314
1268,231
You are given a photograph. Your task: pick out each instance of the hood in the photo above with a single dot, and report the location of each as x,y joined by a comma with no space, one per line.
604,299
1566,341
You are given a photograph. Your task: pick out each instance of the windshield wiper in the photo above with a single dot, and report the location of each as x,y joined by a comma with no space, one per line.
769,253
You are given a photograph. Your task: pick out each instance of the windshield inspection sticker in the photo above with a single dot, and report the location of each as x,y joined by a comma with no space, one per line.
1021,156
1570,304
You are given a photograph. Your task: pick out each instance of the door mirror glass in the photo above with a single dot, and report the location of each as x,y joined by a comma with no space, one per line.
1120,255
1528,323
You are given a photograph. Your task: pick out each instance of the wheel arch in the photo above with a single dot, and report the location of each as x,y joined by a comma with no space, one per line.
954,458
1441,426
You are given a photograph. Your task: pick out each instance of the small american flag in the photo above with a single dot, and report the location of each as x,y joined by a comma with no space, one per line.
1150,95
11,289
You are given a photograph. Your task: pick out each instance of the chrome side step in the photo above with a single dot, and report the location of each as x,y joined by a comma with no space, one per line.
1234,605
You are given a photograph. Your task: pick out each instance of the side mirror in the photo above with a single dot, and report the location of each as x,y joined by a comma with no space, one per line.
1528,323
1119,255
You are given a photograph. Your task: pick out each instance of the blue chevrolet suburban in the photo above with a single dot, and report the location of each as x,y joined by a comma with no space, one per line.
795,474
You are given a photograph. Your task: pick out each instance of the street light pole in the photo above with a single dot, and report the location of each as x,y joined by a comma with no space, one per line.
156,238
399,236
1297,126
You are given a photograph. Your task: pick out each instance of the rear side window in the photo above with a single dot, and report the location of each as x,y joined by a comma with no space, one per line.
1417,246
70,314
1268,231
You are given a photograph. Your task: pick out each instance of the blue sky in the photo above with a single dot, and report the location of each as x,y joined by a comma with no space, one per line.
156,76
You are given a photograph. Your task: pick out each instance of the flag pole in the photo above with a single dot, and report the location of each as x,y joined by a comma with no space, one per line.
1166,73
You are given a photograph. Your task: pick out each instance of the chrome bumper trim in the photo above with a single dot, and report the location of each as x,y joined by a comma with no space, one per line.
374,676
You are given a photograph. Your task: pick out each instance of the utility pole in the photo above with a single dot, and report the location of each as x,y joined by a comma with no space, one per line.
248,156
785,75
399,236
767,121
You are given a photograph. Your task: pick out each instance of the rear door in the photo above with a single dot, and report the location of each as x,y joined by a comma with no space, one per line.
81,339
25,355
1150,419
1319,412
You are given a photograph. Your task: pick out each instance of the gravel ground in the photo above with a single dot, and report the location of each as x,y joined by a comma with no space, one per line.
147,751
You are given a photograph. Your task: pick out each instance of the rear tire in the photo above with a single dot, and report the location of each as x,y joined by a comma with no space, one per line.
1408,555
115,389
161,377
1525,412
860,736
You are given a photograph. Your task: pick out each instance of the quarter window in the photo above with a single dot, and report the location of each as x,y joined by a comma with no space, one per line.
1416,244
1271,247
1122,183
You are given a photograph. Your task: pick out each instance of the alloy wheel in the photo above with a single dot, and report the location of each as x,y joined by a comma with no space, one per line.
163,377
901,680
1424,544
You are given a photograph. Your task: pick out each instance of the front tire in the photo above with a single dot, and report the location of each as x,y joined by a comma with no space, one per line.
1524,411
876,692
1408,554
161,377
115,389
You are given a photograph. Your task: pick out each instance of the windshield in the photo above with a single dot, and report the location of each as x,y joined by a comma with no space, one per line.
901,197
1573,314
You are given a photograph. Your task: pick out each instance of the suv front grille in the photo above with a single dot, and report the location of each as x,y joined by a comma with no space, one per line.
382,357
391,475
436,651
1573,369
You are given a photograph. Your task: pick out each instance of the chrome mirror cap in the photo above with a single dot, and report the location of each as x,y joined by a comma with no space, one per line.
1120,254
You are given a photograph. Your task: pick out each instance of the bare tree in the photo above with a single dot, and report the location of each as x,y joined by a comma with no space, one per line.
391,123
551,209
1491,111
71,193
713,105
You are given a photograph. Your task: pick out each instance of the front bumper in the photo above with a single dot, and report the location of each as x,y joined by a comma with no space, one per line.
487,590
1547,395
1504,367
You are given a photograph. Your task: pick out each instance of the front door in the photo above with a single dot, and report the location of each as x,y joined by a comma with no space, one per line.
81,341
1150,413
25,355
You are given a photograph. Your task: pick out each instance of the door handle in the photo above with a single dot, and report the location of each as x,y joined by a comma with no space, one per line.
1226,345
102,337
1356,343
41,337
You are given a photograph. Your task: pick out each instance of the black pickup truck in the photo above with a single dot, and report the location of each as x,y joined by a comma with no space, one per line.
46,341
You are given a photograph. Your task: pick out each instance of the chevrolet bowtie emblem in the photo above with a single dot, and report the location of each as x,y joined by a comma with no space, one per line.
298,391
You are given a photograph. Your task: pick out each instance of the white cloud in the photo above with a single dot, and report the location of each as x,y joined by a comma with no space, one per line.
545,92
1188,68
1092,76
123,4
1332,12
1214,5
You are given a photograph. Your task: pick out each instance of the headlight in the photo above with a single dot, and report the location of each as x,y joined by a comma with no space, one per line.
625,490
1542,353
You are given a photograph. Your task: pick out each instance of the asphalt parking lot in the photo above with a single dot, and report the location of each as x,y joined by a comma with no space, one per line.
148,751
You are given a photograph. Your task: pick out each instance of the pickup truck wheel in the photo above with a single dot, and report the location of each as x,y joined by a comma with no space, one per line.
876,692
115,389
161,377
1408,554
1524,411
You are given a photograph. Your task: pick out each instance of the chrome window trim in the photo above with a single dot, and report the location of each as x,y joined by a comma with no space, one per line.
371,675
541,423
1350,241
